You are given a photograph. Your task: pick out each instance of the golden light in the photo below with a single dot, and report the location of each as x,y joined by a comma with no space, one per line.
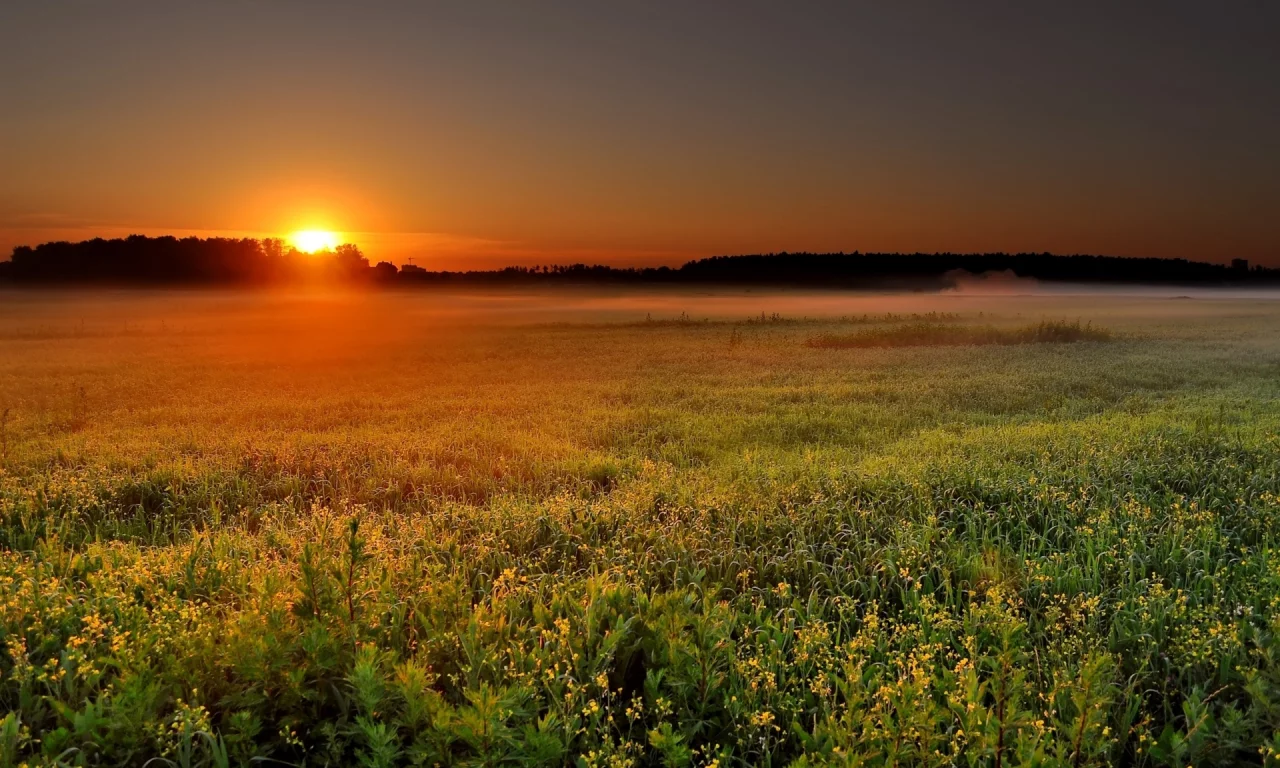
313,240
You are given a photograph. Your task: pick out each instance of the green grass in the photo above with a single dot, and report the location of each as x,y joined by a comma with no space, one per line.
928,334
261,530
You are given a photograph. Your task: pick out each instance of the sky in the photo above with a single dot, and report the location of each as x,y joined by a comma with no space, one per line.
478,134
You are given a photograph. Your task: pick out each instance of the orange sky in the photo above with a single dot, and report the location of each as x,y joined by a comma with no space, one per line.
467,136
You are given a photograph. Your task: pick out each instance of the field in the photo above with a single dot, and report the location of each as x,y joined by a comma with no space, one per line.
597,530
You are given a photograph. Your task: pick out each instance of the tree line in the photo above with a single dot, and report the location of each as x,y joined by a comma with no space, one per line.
141,260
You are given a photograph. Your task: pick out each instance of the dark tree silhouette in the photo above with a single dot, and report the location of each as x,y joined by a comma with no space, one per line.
138,260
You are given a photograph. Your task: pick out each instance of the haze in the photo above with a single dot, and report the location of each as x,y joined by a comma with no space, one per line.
480,135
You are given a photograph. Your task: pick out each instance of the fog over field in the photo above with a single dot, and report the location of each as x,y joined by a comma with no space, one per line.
672,527
26,311
572,384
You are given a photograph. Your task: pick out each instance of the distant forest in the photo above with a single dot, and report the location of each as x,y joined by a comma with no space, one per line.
170,261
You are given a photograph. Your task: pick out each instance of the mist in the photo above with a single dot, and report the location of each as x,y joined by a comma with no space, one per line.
370,319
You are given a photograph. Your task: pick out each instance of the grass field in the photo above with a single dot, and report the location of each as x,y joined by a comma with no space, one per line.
438,529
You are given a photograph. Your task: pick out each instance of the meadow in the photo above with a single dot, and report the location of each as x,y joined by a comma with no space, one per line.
630,529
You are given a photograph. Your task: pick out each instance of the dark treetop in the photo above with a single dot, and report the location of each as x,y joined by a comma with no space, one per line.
139,260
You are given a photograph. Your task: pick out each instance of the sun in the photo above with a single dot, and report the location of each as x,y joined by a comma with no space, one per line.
313,240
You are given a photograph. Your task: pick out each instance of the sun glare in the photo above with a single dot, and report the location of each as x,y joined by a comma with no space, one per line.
313,240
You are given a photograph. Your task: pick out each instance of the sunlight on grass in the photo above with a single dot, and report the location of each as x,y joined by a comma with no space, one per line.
241,531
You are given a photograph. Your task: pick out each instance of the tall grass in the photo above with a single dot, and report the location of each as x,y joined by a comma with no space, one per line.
938,335
629,546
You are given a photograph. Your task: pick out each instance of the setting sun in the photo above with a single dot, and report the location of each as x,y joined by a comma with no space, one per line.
689,383
313,240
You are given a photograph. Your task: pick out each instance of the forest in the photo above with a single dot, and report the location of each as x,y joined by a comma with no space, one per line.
139,261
